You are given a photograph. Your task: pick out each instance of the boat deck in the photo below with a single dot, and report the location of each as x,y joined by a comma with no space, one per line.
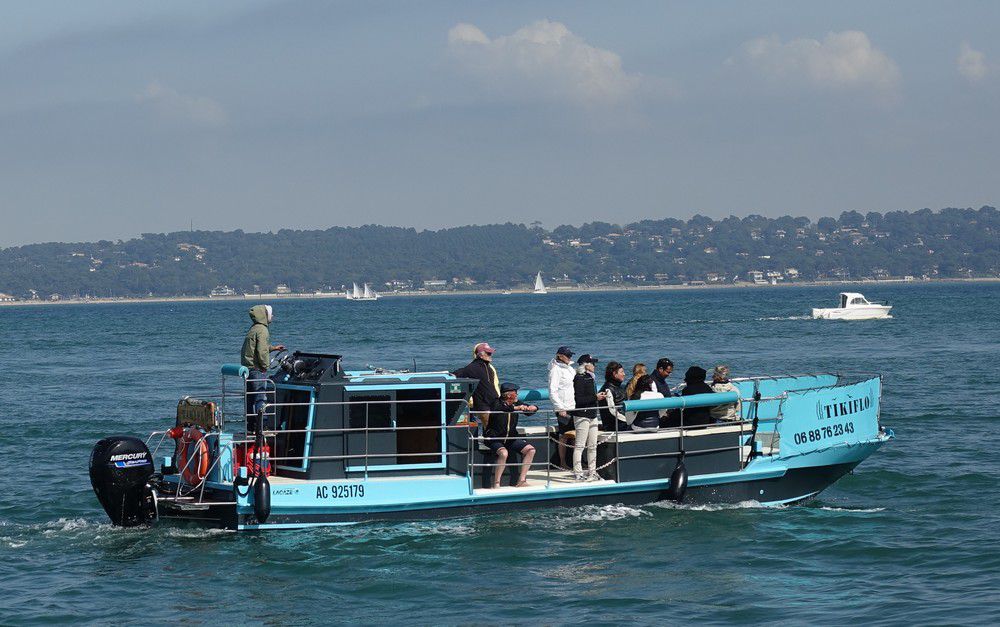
540,479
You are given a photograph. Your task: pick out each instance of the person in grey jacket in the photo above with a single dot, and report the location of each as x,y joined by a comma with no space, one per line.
721,383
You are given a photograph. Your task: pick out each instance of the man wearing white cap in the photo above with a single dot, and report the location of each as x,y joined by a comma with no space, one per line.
481,368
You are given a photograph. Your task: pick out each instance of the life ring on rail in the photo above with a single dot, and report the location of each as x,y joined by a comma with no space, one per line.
193,471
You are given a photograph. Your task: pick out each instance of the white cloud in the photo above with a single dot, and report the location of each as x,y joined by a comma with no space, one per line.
171,104
972,63
844,60
543,60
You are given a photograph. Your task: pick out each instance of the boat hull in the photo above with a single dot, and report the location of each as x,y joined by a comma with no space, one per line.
873,312
768,482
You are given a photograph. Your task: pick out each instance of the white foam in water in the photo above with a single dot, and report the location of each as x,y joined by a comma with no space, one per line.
712,507
851,510
589,513
65,524
785,318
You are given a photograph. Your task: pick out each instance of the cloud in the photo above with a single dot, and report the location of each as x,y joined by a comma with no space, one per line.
972,63
844,60
171,104
544,60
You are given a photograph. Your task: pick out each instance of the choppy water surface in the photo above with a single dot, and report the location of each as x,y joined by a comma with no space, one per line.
912,536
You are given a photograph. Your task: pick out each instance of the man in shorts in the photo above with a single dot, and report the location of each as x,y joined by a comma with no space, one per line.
501,434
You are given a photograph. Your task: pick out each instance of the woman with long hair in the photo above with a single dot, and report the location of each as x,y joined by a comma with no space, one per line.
637,371
645,389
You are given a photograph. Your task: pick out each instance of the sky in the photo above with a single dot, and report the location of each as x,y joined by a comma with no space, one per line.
121,118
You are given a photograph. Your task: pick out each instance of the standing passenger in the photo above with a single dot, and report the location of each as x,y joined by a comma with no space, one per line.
256,355
614,377
488,389
586,398
562,396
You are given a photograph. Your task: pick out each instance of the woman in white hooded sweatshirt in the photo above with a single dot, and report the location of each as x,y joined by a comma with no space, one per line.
562,396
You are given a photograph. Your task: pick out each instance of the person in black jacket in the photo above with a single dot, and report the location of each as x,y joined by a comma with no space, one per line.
586,397
614,377
488,390
501,434
663,369
694,383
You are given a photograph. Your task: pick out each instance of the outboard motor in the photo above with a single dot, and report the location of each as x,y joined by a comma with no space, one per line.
120,467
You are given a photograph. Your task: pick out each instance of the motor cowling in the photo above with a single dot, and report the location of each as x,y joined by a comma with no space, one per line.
120,468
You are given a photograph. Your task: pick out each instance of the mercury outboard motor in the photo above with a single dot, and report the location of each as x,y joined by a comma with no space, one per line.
120,467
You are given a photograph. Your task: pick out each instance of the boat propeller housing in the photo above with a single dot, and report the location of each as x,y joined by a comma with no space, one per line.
120,468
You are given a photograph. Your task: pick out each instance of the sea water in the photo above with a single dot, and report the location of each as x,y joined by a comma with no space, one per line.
913,536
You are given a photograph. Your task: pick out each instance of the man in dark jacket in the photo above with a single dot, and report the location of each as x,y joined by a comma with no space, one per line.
663,369
481,368
694,383
501,434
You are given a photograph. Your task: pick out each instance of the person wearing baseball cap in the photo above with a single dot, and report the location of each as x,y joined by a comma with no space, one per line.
481,368
562,396
501,435
586,400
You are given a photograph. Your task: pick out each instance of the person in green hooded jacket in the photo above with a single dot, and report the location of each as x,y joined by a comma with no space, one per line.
256,355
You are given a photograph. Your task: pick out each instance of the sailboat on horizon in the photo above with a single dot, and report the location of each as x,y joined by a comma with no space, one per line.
357,293
539,285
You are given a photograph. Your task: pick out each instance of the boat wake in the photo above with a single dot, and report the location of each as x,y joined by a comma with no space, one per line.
710,507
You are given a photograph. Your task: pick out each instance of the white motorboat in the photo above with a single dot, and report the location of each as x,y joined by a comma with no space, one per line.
853,306
539,286
358,294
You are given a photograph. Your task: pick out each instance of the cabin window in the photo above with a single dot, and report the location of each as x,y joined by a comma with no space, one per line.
843,301
418,426
404,432
293,420
858,301
371,410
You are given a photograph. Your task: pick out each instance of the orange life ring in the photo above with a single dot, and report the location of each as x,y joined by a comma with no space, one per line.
192,472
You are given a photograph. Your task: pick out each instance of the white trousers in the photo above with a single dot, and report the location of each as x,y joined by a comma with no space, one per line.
586,437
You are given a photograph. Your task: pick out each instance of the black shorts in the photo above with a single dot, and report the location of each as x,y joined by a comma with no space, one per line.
565,425
513,446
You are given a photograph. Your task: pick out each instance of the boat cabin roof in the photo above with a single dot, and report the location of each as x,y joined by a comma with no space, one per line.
852,298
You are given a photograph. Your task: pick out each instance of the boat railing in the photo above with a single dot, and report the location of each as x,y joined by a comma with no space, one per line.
470,421
467,420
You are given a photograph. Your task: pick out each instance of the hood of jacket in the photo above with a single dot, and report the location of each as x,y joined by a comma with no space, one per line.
258,314
555,363
695,374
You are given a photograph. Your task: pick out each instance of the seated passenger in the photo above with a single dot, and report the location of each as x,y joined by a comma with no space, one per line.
501,433
694,383
614,377
720,383
648,420
663,369
637,371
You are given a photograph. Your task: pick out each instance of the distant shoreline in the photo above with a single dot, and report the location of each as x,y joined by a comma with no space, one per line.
566,290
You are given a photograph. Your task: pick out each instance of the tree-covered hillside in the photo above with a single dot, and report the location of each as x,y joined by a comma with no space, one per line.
948,243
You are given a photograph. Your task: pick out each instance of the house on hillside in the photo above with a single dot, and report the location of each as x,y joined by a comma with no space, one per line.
222,290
